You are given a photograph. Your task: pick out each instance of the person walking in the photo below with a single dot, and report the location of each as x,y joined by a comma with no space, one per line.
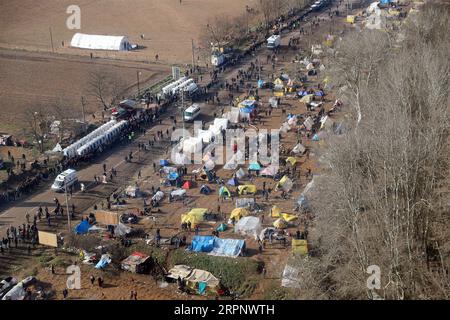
92,279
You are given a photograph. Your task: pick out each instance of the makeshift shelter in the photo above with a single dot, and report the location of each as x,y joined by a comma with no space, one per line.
195,216
269,171
224,192
249,226
205,135
299,246
105,260
273,102
291,277
172,176
180,159
137,262
158,196
121,230
178,193
196,279
307,99
227,247
265,233
167,169
244,202
280,224
299,149
132,191
82,227
285,183
326,123
308,123
247,189
291,160
238,213
221,123
187,185
163,162
204,189
100,42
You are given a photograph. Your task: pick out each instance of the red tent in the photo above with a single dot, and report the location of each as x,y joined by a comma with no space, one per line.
187,185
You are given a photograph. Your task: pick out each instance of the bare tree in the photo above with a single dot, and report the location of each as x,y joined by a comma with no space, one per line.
107,88
37,121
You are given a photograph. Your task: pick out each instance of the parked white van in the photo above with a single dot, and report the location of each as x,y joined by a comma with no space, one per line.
67,178
192,112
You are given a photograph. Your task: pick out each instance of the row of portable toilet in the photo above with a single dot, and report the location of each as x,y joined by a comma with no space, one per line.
103,139
71,151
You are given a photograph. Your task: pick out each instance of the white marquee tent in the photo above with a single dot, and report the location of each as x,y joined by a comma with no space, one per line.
100,42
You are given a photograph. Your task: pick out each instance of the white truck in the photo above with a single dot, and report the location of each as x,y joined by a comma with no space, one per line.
274,41
65,179
217,59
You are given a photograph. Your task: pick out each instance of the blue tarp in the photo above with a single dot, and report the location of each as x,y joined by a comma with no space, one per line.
104,261
385,1
82,227
164,162
302,93
202,287
172,176
217,246
315,138
260,83
202,244
248,103
254,166
246,110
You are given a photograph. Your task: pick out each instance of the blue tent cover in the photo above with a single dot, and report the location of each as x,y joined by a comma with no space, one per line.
254,166
202,244
173,176
163,162
82,227
233,182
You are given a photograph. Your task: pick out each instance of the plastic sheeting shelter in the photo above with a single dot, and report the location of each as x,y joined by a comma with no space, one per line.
280,224
249,226
137,263
244,202
100,42
82,227
121,230
217,246
105,260
291,160
178,193
299,149
240,173
290,277
233,182
163,162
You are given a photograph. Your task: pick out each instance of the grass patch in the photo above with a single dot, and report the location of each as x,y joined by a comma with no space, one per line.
239,275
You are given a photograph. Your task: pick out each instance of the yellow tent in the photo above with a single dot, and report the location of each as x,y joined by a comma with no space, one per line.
350,19
299,246
307,99
278,81
289,216
278,93
280,224
291,160
195,216
247,189
275,212
284,183
238,213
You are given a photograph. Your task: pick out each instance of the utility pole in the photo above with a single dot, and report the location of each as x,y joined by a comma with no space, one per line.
51,38
193,58
83,103
67,204
139,87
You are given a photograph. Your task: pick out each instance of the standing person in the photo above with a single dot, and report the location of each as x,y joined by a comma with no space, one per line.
65,293
27,216
92,279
